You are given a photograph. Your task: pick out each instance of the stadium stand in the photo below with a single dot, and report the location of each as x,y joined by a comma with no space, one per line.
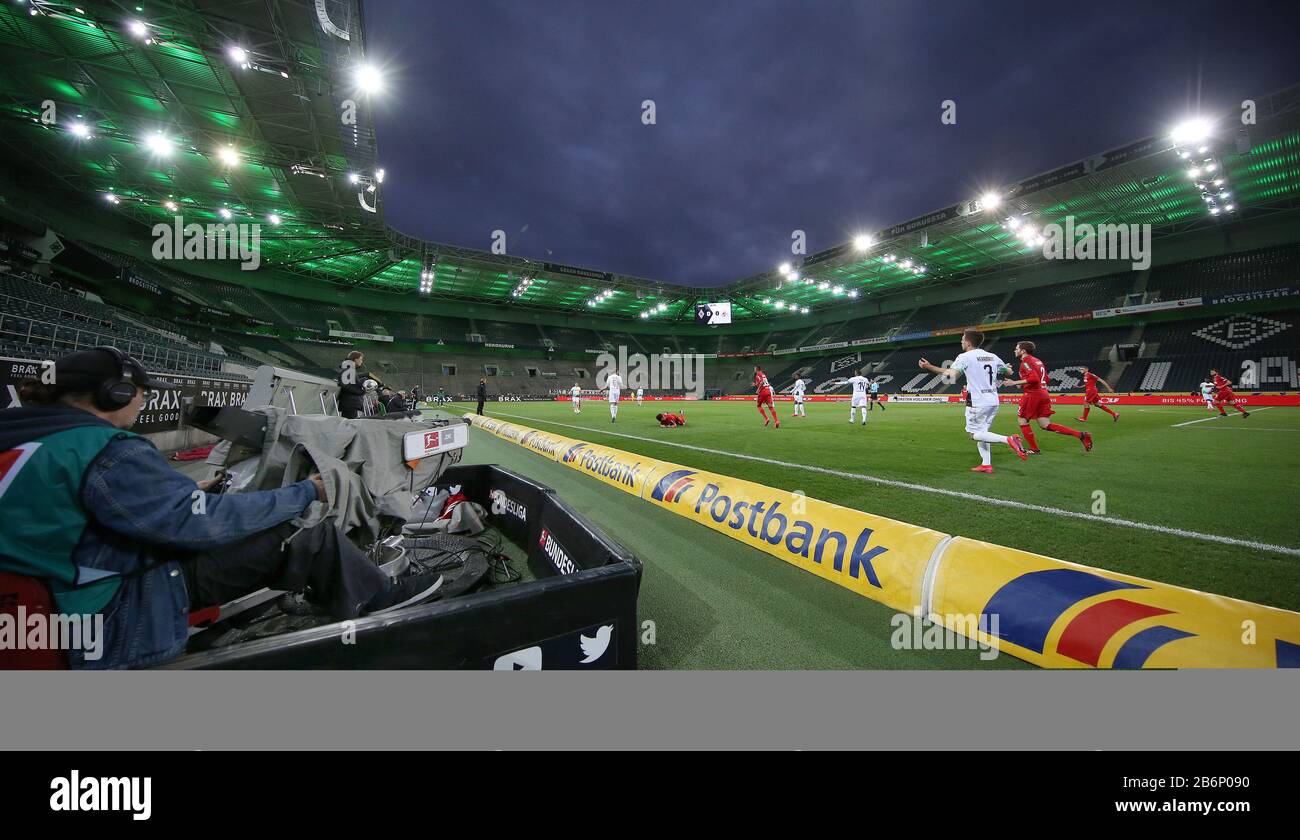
1075,296
873,326
739,343
1177,356
963,313
785,339
38,320
569,339
504,332
1259,270
431,327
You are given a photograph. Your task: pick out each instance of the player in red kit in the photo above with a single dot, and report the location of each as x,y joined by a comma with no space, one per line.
765,396
1092,397
1035,404
1223,394
671,421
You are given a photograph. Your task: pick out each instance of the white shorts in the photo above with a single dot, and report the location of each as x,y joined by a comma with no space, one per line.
577,401
613,395
980,417
798,398
859,402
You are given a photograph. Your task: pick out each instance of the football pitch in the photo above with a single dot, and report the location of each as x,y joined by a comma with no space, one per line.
1171,494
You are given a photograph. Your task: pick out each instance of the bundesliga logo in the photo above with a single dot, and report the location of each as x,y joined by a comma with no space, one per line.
503,504
558,556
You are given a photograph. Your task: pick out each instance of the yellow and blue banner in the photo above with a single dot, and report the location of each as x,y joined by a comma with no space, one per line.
1064,615
1045,611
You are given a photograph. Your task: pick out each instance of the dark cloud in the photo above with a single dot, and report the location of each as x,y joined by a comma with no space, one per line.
772,116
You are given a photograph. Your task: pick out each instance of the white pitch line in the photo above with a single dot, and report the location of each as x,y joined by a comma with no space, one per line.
1247,429
956,494
1216,417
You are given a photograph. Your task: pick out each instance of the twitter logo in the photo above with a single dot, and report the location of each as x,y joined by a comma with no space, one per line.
594,649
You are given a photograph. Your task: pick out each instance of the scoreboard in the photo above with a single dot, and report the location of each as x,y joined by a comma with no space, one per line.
713,314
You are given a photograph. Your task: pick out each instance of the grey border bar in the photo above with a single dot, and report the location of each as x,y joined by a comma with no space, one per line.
646,710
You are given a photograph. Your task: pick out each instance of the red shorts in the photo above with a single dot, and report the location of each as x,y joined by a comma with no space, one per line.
1035,404
1225,397
1091,397
765,396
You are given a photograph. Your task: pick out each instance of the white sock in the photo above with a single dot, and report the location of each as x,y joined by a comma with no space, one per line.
989,437
613,409
986,453
853,413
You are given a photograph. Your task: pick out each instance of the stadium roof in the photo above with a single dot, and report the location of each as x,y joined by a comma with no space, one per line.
222,111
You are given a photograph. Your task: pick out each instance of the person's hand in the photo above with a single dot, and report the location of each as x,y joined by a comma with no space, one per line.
208,483
923,363
320,486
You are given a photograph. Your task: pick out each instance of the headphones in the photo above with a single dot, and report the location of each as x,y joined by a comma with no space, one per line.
113,394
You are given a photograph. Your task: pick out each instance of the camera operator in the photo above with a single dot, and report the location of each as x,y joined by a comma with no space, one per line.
97,513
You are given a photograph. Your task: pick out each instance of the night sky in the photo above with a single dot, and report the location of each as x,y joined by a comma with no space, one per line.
771,116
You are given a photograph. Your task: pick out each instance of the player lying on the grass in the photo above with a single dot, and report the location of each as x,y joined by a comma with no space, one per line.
764,397
1035,404
1091,396
1223,394
797,395
671,421
981,370
860,385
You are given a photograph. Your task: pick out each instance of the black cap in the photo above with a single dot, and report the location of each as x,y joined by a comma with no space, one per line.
87,369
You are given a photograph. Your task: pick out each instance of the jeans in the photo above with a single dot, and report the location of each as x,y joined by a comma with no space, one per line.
320,561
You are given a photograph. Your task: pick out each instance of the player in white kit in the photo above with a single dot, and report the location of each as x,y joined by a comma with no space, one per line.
639,394
981,370
860,385
614,385
575,394
797,394
1207,394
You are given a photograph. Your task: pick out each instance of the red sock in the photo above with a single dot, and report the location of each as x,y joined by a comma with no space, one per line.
1064,430
1029,436
1086,409
1222,413
1239,408
1103,408
762,411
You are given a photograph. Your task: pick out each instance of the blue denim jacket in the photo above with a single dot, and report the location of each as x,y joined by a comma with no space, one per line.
143,510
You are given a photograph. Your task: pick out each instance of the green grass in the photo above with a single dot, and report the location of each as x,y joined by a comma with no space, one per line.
1229,477
717,603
